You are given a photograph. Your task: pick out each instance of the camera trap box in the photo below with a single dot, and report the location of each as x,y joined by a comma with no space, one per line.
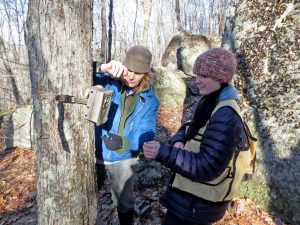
98,105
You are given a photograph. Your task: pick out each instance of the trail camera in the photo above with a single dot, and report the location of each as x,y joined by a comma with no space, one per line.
98,105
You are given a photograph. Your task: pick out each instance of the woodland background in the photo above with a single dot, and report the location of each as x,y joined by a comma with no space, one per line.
47,47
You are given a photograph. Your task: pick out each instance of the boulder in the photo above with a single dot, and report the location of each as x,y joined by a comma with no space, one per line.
183,50
16,127
170,87
265,38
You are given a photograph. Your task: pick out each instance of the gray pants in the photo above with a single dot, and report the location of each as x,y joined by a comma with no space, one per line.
121,176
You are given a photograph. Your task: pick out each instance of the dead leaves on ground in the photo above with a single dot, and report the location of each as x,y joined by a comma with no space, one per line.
17,180
240,212
18,189
245,212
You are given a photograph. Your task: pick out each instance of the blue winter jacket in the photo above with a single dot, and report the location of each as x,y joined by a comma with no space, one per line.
223,136
140,126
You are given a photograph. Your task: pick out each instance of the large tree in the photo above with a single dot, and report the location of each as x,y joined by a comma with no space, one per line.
59,46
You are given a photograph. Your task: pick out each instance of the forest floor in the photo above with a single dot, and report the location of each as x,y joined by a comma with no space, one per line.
18,189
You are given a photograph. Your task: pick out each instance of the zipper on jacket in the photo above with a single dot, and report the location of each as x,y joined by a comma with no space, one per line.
132,119
118,117
194,212
109,153
131,126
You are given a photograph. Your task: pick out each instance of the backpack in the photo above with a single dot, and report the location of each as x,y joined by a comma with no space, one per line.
252,141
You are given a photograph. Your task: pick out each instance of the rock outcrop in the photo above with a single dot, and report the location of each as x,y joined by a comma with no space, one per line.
170,87
265,36
183,50
177,64
16,127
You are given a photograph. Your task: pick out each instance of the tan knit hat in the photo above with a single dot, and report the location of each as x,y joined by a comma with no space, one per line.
216,63
138,59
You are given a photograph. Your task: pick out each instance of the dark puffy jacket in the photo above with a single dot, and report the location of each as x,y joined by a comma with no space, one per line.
223,136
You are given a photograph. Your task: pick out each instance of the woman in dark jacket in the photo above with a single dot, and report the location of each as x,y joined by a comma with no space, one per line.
209,154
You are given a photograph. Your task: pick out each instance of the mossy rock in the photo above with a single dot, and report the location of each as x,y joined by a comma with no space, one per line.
6,112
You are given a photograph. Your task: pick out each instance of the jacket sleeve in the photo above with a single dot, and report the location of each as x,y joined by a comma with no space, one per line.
100,78
223,133
179,136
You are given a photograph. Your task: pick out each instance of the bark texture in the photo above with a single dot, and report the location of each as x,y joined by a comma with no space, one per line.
59,40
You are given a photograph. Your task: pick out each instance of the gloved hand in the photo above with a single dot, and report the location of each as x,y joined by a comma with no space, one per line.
114,142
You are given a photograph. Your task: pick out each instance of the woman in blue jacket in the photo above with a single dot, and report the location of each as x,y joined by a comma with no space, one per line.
209,154
131,122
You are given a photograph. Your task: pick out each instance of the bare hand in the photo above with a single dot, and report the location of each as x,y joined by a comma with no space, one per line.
115,68
151,149
179,145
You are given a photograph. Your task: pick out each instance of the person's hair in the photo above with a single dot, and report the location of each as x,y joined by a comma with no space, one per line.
203,111
146,81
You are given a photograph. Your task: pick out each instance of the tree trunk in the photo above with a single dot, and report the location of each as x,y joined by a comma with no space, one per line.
110,18
104,40
59,46
178,19
12,81
15,82
135,19
147,5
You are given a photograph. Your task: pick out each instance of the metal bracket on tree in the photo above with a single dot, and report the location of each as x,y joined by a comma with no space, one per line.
97,103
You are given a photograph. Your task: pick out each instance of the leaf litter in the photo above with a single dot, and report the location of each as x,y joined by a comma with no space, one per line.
18,189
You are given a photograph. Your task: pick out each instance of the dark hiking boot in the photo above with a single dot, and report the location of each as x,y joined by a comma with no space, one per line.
126,218
100,175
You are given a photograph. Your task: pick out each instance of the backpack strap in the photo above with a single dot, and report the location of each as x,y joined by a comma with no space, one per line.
252,141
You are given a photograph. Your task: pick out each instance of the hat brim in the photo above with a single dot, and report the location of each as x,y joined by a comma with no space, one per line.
136,66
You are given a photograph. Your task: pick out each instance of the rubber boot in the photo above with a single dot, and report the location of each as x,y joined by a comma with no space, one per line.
126,218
